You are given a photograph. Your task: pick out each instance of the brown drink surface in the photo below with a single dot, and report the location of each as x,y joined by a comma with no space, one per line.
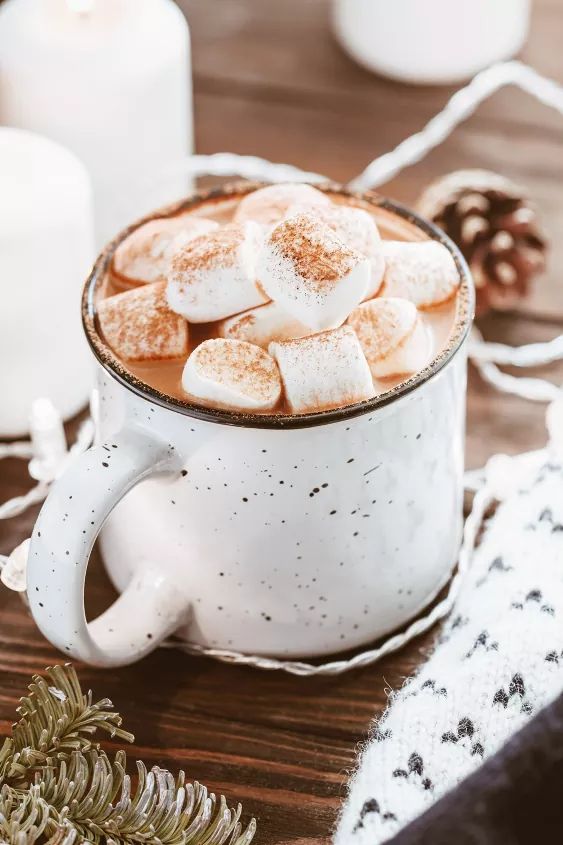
166,375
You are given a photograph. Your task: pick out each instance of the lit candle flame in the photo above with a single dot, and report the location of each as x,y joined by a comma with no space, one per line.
80,7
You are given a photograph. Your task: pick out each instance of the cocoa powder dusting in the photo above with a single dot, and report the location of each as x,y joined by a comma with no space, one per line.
314,250
243,322
139,325
214,249
382,325
240,364
154,342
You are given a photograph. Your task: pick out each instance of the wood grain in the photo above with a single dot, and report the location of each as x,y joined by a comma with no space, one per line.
269,79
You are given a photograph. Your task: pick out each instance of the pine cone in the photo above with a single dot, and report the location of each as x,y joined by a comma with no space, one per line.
496,228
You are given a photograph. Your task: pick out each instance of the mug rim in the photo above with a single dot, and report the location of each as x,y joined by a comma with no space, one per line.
114,367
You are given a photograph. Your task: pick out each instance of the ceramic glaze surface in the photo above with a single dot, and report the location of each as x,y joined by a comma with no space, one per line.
275,535
281,542
298,542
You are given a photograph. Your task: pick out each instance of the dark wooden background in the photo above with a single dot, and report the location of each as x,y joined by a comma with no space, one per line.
269,80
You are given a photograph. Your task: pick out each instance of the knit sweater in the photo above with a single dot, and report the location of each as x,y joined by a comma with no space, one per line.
498,661
514,798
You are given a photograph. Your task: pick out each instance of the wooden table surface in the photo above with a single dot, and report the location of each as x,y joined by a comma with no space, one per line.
269,80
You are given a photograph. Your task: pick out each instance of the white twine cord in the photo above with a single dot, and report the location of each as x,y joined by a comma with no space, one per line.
460,106
19,449
248,167
19,504
13,507
528,355
486,356
533,389
233,164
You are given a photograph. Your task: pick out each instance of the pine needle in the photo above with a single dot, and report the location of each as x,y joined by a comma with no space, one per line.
59,787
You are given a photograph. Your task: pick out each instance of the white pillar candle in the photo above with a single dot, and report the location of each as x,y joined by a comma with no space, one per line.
46,250
109,79
430,41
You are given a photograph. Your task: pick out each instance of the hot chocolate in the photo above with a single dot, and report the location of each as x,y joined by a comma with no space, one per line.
285,299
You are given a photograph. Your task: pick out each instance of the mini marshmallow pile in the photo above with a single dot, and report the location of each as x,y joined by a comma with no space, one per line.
304,298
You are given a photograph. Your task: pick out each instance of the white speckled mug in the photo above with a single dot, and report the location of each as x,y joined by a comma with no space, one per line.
276,535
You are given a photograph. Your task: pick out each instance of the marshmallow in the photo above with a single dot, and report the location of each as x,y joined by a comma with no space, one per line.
356,228
212,277
392,335
310,273
144,256
139,326
232,374
326,370
423,271
262,325
268,205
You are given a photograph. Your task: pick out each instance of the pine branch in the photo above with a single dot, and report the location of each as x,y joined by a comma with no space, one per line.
23,819
57,718
60,788
160,809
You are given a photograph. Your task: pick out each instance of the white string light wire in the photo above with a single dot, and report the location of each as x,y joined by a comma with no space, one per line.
460,106
232,164
47,466
528,355
486,356
19,504
18,449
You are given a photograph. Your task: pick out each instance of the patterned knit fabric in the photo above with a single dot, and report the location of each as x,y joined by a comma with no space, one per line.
498,661
514,798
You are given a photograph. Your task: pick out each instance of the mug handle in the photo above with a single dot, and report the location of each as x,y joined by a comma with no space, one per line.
151,607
